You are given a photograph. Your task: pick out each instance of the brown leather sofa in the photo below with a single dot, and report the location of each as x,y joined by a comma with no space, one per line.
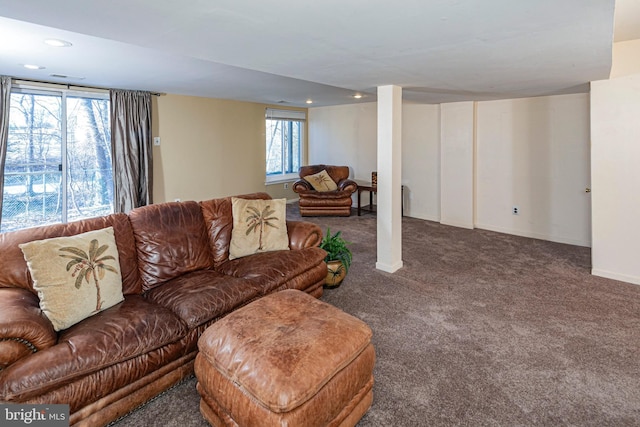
177,280
325,203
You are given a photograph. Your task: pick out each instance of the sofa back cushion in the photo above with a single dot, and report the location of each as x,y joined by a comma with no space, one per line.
14,272
171,239
219,219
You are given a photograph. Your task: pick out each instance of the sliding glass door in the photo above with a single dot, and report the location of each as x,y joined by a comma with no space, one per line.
58,165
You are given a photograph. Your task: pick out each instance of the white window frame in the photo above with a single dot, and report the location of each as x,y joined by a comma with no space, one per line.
62,91
294,115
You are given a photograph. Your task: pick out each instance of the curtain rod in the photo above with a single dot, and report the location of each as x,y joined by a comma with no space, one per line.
69,86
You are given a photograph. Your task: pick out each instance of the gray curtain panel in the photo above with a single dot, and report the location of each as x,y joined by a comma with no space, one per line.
132,149
5,97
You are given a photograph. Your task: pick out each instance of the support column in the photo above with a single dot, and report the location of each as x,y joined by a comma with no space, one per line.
389,178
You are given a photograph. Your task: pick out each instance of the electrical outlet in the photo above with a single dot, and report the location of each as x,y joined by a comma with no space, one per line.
286,185
515,210
177,200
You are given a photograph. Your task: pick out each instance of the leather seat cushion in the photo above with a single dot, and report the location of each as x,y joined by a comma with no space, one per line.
325,203
272,269
124,331
300,359
326,195
203,295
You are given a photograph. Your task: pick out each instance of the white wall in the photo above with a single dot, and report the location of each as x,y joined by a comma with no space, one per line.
421,161
533,153
615,172
457,164
345,135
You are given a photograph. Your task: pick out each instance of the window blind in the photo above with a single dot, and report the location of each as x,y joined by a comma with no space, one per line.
294,115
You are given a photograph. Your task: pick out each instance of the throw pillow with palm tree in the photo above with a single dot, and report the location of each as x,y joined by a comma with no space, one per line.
75,276
89,265
258,226
321,181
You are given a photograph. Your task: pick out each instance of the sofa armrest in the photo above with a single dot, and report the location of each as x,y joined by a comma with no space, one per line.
301,186
24,329
347,185
303,234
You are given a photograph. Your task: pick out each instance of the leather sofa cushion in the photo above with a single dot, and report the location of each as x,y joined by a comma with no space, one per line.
218,217
15,272
124,331
272,269
204,295
171,239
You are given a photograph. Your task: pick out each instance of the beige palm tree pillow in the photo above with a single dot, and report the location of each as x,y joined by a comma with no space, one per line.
258,226
321,181
75,276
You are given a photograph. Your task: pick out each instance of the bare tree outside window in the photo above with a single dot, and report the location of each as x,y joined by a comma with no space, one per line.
283,146
89,177
35,173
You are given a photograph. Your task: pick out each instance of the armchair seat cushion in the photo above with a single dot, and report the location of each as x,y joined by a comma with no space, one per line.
326,195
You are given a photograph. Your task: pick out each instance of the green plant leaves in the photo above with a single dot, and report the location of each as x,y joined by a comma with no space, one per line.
336,248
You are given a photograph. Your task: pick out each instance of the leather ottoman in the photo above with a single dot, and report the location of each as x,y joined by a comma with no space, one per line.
286,359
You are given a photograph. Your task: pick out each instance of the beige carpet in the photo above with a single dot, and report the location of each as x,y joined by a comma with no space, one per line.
478,329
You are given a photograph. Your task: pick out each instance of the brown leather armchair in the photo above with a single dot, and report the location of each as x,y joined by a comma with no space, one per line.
325,203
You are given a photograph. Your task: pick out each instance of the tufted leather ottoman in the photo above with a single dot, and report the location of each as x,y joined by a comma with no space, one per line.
286,359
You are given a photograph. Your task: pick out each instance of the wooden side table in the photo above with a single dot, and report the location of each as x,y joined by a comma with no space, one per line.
371,189
366,186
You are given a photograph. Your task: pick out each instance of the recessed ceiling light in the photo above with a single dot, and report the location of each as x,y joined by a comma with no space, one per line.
64,76
33,67
58,43
309,101
357,96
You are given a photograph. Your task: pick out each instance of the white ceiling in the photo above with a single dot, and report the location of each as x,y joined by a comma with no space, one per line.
290,51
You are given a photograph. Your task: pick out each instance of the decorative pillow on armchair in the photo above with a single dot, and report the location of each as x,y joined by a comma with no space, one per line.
321,181
258,226
75,276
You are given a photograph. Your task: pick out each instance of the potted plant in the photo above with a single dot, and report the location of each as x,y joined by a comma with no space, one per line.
338,258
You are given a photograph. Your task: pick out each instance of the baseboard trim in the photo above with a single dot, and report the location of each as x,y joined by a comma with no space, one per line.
419,215
389,268
457,224
540,236
634,280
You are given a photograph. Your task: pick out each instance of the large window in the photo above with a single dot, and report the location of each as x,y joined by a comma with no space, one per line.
284,141
58,165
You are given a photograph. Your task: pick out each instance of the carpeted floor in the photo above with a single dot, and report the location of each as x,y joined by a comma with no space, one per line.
477,329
